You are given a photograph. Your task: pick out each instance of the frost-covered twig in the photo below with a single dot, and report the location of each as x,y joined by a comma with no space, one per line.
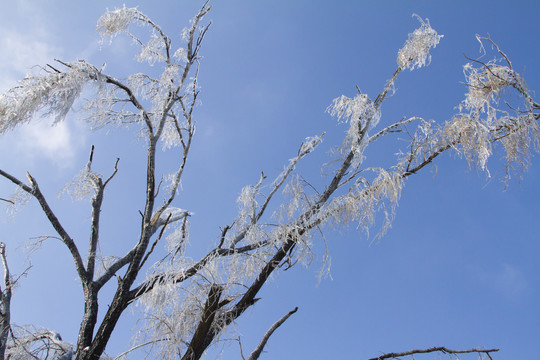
249,193
391,128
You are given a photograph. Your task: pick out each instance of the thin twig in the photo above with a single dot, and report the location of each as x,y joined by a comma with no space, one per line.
442,349
258,350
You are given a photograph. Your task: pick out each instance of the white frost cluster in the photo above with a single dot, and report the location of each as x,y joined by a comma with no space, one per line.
482,122
18,199
118,21
309,144
516,127
32,343
113,22
485,84
365,199
178,227
153,51
176,309
247,203
346,109
52,92
295,200
361,114
474,137
415,52
83,184
181,55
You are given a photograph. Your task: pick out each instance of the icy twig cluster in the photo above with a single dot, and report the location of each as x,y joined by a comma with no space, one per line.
49,92
415,52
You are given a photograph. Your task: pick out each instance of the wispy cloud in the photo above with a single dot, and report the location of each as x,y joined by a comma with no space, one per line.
507,280
57,144
22,48
21,52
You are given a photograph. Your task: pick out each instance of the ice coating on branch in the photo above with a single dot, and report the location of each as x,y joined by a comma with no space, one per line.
82,185
482,121
113,22
153,51
18,199
345,109
475,139
518,132
181,55
118,21
171,215
50,91
32,343
309,144
415,52
247,203
364,200
486,83
361,114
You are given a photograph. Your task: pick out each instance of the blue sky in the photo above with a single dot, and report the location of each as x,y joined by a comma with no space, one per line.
459,267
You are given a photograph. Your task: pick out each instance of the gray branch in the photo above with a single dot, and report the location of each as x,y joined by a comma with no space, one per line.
258,350
434,349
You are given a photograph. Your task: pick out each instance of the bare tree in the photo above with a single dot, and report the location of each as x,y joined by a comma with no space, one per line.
190,304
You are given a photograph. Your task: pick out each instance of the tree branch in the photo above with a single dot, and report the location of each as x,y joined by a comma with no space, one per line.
442,349
133,99
111,271
66,239
157,279
17,182
196,345
258,350
5,303
97,202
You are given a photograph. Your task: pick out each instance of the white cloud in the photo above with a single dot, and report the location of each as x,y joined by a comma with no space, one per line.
22,48
40,140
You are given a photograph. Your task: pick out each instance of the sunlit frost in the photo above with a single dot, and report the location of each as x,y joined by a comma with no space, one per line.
115,21
415,52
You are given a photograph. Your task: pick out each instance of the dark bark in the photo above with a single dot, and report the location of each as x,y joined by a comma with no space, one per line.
441,349
197,343
5,303
88,323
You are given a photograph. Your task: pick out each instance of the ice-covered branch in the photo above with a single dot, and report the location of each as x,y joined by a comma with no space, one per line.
391,128
415,52
177,277
29,343
250,212
118,21
51,94
133,99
